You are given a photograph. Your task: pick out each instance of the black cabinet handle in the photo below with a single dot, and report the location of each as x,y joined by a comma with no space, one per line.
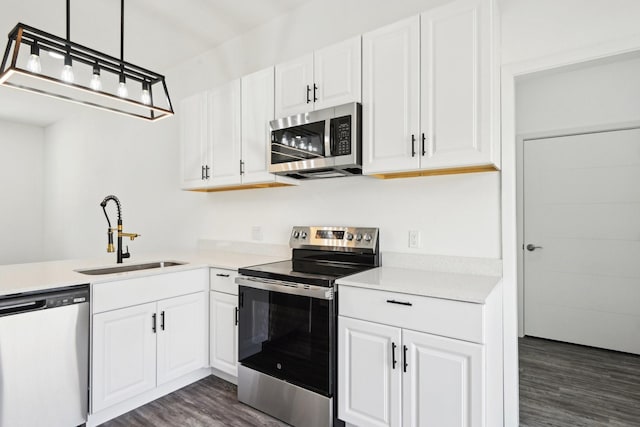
162,320
202,172
153,323
413,145
393,355
392,301
206,172
315,88
404,358
423,147
308,93
237,310
222,275
241,167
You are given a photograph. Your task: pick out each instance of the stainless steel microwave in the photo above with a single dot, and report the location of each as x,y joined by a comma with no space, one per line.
319,144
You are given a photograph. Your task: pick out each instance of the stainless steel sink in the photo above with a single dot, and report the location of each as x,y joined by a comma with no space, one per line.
129,267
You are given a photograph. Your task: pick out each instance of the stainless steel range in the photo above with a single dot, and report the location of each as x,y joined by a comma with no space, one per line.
287,323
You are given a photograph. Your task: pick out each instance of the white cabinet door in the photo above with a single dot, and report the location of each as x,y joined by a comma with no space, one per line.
193,139
257,111
338,74
223,354
294,86
456,86
124,354
182,335
443,383
391,98
224,133
369,382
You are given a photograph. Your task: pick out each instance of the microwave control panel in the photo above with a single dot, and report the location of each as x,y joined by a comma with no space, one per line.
341,136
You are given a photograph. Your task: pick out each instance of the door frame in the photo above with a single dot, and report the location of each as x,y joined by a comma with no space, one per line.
509,74
520,213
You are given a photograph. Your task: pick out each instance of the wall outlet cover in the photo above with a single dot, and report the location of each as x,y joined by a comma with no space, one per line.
414,239
256,233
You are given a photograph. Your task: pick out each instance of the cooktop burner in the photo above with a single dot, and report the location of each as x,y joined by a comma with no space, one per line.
321,255
309,273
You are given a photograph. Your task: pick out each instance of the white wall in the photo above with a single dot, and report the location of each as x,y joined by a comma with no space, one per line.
96,154
21,192
533,29
598,93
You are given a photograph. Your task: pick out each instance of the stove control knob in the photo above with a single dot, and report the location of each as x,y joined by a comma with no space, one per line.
358,237
296,234
349,236
367,237
303,234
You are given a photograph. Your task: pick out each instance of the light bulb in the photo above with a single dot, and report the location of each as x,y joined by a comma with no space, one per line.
96,83
33,64
145,96
67,74
67,70
123,92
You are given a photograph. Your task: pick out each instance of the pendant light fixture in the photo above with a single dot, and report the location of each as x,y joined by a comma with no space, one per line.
76,73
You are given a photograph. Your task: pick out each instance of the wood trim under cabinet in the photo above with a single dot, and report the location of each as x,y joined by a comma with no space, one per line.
451,171
241,187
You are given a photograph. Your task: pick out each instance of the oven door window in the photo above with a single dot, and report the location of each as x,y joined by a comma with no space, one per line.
286,336
298,143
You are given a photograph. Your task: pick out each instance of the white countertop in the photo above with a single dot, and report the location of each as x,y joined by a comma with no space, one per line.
454,286
30,277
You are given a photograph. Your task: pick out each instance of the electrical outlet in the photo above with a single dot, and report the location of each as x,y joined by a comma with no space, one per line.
256,233
414,238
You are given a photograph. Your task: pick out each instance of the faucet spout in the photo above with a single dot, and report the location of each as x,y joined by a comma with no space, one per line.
120,255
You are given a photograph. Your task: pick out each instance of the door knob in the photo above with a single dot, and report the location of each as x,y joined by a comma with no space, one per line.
531,247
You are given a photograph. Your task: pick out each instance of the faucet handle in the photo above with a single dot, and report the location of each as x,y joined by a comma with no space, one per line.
126,254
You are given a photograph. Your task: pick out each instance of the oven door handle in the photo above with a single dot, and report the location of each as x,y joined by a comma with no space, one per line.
319,292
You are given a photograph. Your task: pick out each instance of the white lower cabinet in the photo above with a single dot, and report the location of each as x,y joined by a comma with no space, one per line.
223,318
124,354
442,381
223,353
181,336
393,373
156,338
369,382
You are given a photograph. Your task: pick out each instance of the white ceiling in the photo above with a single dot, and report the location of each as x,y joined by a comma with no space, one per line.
157,35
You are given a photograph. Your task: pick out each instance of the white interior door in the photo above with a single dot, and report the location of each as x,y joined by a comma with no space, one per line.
582,209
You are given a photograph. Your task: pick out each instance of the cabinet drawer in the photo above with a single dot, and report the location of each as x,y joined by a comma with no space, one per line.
140,290
223,280
447,318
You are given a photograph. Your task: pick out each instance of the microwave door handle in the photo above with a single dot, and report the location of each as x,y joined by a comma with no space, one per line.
327,138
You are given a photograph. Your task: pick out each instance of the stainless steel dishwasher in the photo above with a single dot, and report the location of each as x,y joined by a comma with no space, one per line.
44,358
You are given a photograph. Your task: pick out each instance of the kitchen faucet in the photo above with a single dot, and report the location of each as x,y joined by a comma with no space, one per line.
120,255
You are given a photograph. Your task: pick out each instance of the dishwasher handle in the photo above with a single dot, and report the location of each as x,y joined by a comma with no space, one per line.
22,307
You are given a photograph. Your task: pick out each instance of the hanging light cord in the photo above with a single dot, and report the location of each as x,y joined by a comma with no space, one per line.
122,30
68,20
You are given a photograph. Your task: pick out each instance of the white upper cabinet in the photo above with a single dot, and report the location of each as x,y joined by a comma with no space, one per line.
224,133
194,142
328,77
448,57
337,74
257,111
294,86
391,97
456,68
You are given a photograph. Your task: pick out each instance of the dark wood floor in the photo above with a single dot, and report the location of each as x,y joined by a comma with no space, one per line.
561,385
567,385
210,402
